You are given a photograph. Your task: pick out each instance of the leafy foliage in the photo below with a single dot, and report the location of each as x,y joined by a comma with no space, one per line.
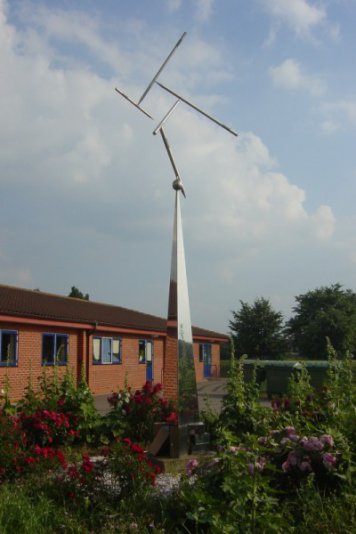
241,412
258,330
134,413
77,294
326,312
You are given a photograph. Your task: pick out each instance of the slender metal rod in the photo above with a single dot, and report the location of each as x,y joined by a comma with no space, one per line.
167,115
133,103
161,68
196,108
170,155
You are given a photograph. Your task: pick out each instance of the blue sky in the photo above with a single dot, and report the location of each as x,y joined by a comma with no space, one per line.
85,188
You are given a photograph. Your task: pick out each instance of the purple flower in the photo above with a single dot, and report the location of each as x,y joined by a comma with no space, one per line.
329,460
291,433
305,466
293,458
262,440
234,449
326,439
312,444
191,466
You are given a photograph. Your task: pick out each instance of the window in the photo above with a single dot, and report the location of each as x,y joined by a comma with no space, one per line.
106,350
8,347
54,349
144,351
205,352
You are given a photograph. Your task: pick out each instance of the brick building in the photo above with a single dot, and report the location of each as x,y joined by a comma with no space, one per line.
111,344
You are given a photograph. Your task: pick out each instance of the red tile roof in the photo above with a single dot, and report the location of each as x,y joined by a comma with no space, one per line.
36,304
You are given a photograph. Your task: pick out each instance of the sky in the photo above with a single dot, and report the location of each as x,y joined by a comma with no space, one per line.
85,188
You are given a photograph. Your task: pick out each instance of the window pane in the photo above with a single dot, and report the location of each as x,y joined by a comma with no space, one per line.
61,348
48,348
106,350
141,351
96,349
8,347
148,351
116,357
201,351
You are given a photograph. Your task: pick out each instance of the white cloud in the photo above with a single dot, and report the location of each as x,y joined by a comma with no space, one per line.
338,115
91,187
324,222
204,9
343,108
299,15
289,75
329,126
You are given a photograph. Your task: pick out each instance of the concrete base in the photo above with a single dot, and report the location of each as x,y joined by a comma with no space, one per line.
174,441
176,466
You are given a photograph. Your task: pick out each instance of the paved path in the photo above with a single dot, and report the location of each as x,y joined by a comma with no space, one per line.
210,395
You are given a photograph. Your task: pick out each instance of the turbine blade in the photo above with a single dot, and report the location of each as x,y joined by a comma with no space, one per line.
196,108
133,103
161,67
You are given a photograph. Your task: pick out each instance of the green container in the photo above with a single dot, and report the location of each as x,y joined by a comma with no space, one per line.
279,372
248,367
317,371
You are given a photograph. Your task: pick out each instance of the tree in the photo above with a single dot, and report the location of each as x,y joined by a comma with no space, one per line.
258,330
321,313
77,294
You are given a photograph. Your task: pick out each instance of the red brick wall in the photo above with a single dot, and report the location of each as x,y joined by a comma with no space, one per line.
101,379
104,378
29,364
215,360
170,370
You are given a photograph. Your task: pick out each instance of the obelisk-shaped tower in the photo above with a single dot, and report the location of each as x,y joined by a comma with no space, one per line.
179,369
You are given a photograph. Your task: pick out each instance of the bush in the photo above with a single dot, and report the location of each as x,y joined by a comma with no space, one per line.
133,414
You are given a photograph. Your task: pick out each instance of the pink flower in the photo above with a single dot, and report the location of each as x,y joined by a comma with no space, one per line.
261,464
312,444
191,466
329,460
286,466
327,440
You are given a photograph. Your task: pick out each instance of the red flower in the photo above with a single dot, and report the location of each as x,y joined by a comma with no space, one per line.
157,388
172,418
147,387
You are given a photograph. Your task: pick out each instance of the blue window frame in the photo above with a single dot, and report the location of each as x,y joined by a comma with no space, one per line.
54,349
8,348
106,350
145,350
